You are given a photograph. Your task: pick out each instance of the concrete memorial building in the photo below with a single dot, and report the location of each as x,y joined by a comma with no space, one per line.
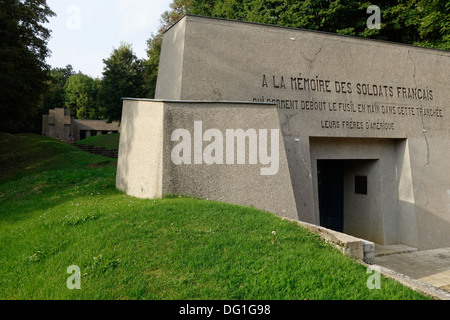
364,129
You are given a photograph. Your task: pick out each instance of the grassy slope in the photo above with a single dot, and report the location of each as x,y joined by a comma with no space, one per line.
59,207
108,141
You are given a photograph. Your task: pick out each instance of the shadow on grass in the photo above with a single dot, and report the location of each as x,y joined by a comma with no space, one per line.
38,173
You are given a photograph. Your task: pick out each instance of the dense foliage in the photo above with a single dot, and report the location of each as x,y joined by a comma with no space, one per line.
80,96
122,77
89,98
417,22
23,70
55,96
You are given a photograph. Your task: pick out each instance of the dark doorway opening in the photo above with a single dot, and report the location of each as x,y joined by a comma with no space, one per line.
330,177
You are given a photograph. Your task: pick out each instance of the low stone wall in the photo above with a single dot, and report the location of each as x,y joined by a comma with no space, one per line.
97,150
356,248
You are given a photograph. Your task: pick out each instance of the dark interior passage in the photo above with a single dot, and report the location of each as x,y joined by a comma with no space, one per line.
330,175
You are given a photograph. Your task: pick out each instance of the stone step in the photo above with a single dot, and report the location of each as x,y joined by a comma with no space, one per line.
385,250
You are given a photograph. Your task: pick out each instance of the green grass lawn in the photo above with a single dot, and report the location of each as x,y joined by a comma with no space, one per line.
108,141
59,207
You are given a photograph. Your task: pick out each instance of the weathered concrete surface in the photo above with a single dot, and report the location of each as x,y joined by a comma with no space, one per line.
141,149
59,124
359,249
417,285
334,95
146,167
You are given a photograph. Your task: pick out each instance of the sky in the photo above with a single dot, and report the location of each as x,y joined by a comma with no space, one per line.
85,32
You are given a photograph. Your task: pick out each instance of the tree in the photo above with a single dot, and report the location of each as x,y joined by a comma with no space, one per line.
418,22
80,96
55,96
23,70
151,65
122,77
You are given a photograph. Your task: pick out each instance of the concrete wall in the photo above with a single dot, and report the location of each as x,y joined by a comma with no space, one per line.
140,159
146,168
59,124
364,215
91,126
373,216
172,62
362,89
